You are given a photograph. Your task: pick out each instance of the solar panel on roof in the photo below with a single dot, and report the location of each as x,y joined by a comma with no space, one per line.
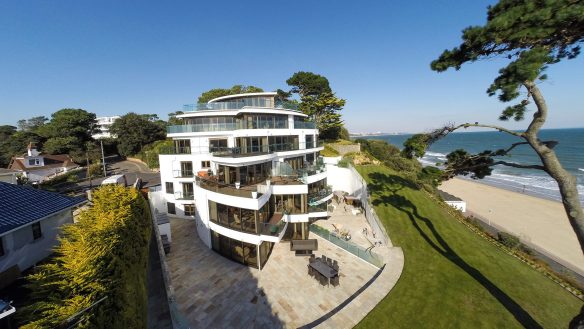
21,205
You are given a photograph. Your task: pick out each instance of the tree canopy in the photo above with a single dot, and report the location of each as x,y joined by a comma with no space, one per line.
317,101
68,131
218,92
531,35
134,131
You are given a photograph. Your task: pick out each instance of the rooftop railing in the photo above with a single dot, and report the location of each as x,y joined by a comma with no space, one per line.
238,105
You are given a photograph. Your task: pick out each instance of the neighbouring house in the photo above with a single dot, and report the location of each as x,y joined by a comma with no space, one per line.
30,221
9,175
103,125
247,169
453,201
39,167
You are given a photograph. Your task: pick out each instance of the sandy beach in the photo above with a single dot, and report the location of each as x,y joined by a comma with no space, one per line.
540,222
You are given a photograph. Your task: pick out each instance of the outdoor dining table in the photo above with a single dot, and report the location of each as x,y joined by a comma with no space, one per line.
324,269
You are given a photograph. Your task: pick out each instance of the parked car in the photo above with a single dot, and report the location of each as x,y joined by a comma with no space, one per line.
116,179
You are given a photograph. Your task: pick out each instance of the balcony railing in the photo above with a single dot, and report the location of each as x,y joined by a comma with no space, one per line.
240,151
184,195
321,207
182,173
238,105
314,198
274,227
304,125
244,191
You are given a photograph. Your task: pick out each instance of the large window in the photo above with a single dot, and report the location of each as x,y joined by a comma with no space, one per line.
283,143
290,203
217,145
257,144
264,121
36,231
241,252
186,169
239,219
182,146
219,123
245,175
169,187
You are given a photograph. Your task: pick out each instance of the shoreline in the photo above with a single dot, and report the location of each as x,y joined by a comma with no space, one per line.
536,221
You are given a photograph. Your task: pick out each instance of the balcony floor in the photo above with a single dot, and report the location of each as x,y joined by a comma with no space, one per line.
213,291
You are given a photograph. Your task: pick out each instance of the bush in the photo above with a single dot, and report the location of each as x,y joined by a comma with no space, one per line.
343,163
149,153
105,254
508,240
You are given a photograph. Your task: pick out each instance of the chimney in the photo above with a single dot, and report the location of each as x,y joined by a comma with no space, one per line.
32,151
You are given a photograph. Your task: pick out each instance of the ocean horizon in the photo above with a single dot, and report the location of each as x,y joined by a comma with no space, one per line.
570,152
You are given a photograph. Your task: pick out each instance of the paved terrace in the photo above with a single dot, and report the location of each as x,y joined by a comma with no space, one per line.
212,291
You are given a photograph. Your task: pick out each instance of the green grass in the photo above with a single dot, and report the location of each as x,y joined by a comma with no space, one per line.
453,278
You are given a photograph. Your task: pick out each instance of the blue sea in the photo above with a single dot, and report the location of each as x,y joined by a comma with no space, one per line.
570,151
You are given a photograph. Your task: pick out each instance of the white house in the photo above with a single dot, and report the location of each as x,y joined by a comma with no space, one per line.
453,201
39,167
30,221
246,168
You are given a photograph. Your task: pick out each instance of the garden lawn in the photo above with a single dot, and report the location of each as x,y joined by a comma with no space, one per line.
452,277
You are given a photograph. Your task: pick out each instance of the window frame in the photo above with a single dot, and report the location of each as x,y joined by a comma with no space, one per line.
191,211
37,231
171,190
169,206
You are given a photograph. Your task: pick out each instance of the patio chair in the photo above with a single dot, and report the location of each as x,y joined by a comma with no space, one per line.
312,258
335,281
322,280
323,257
310,270
335,265
329,262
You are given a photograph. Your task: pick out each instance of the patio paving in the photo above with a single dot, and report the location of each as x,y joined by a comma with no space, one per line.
214,292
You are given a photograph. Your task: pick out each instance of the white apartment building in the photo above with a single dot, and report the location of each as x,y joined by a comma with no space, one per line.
247,169
103,126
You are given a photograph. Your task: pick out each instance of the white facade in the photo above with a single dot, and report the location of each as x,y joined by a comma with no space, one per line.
248,155
103,126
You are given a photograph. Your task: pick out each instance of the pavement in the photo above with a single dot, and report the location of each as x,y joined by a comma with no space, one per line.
214,292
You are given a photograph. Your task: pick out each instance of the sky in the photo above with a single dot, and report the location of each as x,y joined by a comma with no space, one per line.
115,57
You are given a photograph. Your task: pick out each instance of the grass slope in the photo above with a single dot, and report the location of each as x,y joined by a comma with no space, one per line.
452,277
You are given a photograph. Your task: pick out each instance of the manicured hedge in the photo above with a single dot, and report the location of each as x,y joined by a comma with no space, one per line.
105,254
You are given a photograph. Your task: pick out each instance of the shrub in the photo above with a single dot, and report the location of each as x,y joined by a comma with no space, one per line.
508,240
105,254
343,163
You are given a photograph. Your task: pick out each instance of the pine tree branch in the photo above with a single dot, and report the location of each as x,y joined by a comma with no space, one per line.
501,129
517,165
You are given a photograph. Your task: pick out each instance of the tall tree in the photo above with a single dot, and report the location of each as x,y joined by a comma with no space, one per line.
318,101
134,131
31,124
68,131
218,92
173,120
532,35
